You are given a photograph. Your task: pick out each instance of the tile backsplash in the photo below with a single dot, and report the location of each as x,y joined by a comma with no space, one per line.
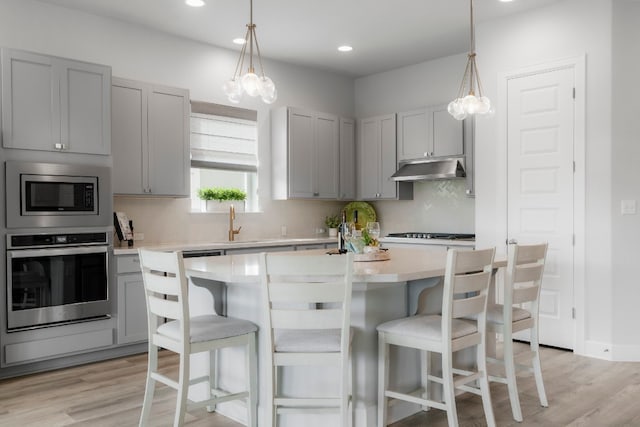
438,206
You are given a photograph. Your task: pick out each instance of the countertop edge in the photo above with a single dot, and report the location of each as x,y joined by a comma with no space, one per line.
266,243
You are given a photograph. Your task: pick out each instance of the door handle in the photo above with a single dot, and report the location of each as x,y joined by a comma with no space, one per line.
512,242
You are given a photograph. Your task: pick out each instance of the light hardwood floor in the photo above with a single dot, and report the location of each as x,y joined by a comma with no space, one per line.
581,392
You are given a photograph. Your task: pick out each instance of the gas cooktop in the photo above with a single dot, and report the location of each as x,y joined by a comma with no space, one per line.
441,236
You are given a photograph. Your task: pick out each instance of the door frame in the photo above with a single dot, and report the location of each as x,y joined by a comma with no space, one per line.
578,64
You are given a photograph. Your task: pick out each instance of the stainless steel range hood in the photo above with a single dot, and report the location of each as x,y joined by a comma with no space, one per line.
430,169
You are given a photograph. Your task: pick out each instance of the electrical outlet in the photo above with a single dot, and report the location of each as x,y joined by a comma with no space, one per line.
628,207
138,236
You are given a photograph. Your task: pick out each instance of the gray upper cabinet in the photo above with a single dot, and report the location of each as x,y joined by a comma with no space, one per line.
377,160
347,159
55,104
150,130
429,132
305,154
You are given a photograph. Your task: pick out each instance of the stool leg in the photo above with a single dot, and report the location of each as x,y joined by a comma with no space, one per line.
425,368
537,368
183,389
213,377
481,363
512,385
150,385
383,379
252,383
448,390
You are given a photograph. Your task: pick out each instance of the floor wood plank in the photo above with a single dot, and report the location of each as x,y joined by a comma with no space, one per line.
581,392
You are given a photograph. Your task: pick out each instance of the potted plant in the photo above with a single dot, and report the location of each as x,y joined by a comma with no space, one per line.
332,222
219,199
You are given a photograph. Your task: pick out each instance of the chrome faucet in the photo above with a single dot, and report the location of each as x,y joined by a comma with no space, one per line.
232,216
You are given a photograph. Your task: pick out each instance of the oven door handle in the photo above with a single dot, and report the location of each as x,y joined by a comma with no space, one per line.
26,253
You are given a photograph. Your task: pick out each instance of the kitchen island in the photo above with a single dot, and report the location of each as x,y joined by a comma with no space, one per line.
382,291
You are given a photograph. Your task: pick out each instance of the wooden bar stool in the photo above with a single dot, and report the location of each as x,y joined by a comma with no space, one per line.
166,289
466,285
308,304
522,284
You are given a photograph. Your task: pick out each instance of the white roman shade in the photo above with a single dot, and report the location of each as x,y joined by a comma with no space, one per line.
222,142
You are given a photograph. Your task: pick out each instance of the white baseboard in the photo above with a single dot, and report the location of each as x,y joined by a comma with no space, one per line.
626,353
597,349
608,351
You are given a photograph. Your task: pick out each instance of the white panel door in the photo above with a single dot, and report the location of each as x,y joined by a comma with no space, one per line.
540,143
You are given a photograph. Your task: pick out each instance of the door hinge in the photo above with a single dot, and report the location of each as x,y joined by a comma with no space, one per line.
574,93
574,167
573,312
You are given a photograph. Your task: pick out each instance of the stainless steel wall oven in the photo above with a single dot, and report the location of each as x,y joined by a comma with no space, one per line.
55,278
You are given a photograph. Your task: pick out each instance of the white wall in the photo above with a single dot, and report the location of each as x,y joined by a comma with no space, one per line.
568,29
437,206
143,54
625,176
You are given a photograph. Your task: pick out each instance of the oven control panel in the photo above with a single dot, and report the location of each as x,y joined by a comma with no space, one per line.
17,241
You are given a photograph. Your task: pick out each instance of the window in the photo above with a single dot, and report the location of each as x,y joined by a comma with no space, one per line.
224,151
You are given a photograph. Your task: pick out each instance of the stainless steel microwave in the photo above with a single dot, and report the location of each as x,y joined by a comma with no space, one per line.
57,195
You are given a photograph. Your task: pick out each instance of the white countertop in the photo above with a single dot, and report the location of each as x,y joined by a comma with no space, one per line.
405,264
258,243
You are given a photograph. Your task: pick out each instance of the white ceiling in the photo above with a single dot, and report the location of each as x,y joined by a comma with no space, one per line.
385,34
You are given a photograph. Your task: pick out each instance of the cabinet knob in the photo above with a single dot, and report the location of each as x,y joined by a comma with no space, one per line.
316,194
59,146
426,154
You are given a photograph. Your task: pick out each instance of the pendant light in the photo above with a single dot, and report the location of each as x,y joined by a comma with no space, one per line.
250,83
470,100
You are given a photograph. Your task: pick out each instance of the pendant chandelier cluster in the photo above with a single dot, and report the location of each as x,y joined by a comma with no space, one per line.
471,102
250,83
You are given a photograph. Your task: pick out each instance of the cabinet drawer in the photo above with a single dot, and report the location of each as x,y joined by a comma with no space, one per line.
128,264
58,346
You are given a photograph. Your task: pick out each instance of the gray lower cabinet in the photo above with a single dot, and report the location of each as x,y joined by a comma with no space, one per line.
150,138
38,345
132,308
55,104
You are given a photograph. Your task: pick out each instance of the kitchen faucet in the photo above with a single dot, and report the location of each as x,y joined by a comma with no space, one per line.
232,216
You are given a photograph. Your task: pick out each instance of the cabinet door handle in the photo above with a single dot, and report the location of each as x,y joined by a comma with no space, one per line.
512,241
59,146
316,194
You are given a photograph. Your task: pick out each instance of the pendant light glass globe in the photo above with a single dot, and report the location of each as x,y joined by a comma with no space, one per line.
233,89
270,98
266,87
250,83
456,109
470,104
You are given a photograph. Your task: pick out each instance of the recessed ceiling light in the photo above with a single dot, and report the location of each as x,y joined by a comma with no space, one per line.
194,3
239,40
345,48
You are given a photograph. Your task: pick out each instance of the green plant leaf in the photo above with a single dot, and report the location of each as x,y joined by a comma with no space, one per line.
221,194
